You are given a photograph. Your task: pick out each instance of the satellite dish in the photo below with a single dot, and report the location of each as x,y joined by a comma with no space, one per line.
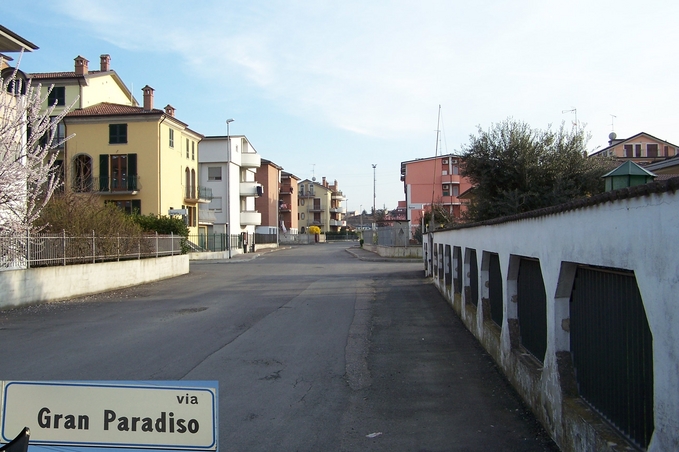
313,179
612,136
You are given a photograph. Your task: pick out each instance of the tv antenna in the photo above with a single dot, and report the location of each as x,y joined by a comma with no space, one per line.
575,112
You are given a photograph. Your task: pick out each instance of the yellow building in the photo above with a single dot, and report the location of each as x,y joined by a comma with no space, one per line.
320,205
81,88
140,158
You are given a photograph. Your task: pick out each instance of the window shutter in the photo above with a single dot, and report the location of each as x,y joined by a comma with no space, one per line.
103,172
132,172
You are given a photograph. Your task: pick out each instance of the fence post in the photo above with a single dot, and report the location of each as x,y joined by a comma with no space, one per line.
28,248
118,248
172,241
94,249
139,248
63,233
156,244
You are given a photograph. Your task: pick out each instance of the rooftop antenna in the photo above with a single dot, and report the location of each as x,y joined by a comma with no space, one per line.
575,112
612,136
313,172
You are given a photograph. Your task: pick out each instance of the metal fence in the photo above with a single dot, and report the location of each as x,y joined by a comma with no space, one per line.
532,307
397,235
48,250
214,242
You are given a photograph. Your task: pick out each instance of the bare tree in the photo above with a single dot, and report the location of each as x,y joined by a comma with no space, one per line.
28,137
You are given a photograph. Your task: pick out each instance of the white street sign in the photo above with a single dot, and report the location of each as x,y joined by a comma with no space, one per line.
111,415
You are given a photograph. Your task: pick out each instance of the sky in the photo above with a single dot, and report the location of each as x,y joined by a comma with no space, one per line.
329,89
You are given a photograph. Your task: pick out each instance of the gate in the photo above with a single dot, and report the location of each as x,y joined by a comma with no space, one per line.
612,349
495,288
532,308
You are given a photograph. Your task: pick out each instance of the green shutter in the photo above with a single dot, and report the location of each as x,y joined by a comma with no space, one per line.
103,172
132,184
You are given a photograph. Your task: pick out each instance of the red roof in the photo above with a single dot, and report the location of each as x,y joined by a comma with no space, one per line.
51,75
109,109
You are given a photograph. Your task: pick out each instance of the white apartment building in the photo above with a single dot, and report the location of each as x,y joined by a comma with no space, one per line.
227,165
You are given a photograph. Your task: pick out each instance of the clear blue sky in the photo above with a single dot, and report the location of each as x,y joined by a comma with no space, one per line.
329,87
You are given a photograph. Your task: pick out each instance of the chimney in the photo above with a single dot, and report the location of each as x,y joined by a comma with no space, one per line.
81,66
148,97
4,61
105,62
169,110
325,184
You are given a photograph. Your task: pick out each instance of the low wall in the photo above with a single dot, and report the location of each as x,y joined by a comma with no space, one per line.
410,252
37,285
633,230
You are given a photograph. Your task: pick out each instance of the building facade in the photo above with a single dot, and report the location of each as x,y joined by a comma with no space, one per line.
434,180
288,204
141,159
641,148
227,167
268,175
320,205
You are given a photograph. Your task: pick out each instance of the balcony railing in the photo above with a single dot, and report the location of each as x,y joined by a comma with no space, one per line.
250,160
250,189
106,185
250,218
198,194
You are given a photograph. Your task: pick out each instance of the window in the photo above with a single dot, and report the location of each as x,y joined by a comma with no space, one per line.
666,151
651,150
628,150
456,170
637,150
82,180
193,150
302,215
60,135
129,207
187,148
446,190
216,204
117,133
456,190
118,172
57,96
171,138
214,173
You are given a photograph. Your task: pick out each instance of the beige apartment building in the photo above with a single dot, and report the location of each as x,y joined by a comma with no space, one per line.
320,205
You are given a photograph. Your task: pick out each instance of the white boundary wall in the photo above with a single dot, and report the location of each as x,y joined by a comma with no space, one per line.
36,285
639,234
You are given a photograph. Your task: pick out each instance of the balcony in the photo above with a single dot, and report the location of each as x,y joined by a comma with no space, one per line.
304,194
339,196
250,218
316,209
198,194
128,185
206,216
250,188
338,210
338,223
250,160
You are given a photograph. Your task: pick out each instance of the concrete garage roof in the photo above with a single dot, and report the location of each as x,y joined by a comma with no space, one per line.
12,42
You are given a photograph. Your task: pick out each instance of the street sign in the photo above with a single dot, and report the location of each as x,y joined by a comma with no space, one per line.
135,415
178,212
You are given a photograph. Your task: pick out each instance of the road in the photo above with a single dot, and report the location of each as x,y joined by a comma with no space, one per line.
314,350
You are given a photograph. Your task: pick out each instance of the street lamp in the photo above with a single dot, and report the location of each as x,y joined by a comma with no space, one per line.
374,211
228,189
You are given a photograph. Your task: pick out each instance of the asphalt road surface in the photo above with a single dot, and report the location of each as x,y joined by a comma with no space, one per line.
314,350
